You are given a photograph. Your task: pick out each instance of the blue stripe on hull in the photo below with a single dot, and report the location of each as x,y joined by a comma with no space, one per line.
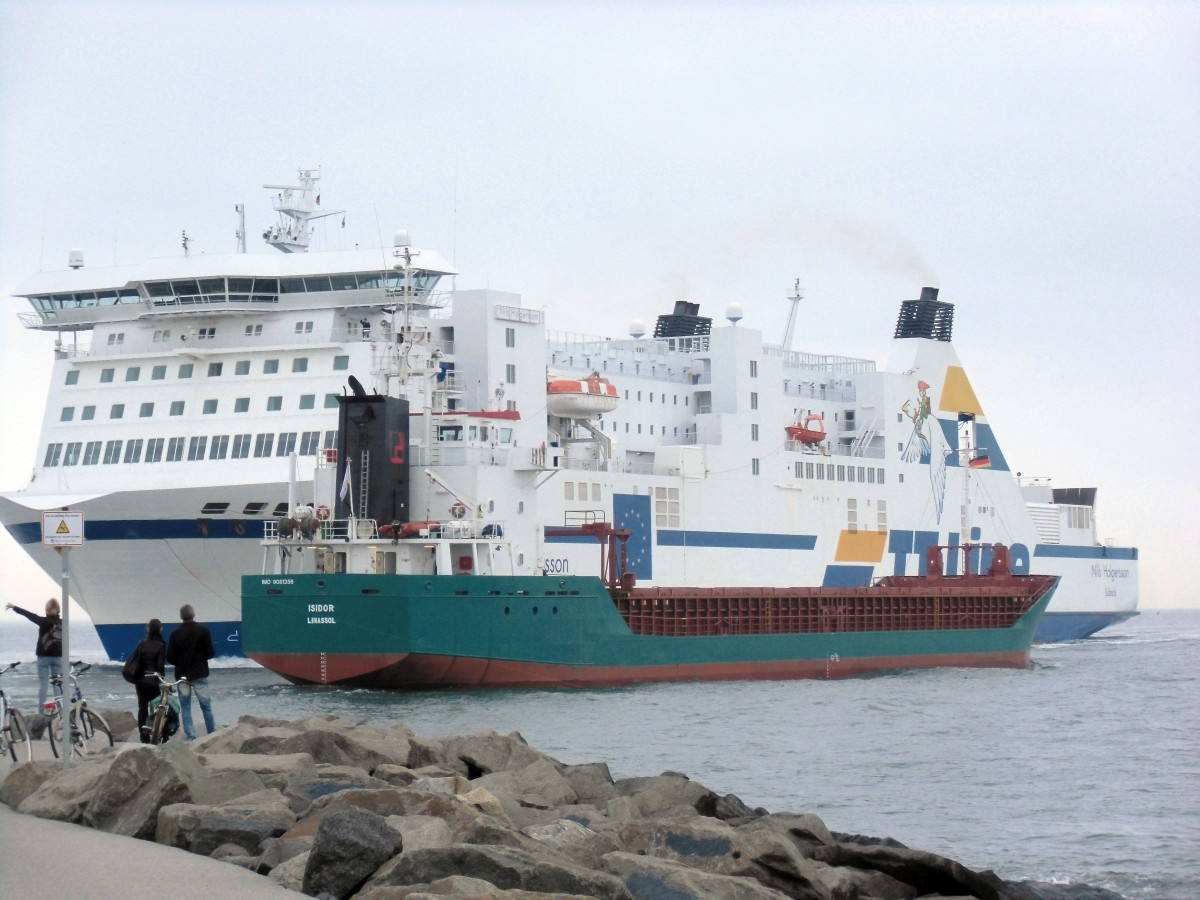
1056,627
119,640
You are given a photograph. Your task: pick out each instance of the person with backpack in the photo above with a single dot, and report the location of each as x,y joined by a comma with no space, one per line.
49,645
189,649
150,656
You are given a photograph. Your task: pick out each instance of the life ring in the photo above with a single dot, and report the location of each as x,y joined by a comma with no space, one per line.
459,509
322,512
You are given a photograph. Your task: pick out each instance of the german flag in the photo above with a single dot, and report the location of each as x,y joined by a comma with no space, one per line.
980,462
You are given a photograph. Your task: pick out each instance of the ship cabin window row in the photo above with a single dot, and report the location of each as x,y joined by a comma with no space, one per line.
839,472
194,449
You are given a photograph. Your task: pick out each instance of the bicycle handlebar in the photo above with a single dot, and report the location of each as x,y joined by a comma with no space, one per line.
178,681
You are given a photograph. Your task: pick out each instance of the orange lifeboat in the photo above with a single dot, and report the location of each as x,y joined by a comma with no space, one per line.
580,399
809,430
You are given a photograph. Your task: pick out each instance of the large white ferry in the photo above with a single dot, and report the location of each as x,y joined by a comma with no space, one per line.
185,392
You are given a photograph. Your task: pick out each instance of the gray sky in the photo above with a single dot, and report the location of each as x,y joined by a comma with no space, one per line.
1039,162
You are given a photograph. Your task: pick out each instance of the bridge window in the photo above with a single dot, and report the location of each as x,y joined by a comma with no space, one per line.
241,404
53,455
274,404
72,455
177,407
158,373
197,447
185,370
72,377
146,411
112,453
154,450
241,446
91,453
210,407
308,401
67,414
117,411
133,450
241,367
106,375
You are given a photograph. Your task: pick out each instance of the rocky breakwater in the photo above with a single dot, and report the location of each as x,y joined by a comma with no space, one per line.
340,809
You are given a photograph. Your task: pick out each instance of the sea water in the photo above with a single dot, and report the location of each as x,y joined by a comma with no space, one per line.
1085,767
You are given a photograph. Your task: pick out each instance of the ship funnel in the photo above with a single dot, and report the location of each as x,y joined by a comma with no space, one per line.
926,318
75,258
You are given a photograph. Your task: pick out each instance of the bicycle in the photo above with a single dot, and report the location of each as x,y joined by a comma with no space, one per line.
14,730
89,732
156,729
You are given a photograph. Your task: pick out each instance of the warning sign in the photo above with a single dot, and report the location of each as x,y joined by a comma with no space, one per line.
62,529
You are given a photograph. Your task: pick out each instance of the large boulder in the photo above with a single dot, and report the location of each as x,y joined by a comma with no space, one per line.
927,872
140,782
592,782
805,831
349,846
65,795
650,878
121,723
247,822
508,868
487,752
274,770
420,832
290,872
302,790
25,779
669,794
539,785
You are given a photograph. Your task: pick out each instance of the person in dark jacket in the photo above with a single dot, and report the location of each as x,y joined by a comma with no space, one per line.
151,651
49,646
189,649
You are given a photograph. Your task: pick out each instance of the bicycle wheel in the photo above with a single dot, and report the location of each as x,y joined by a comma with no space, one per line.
18,737
158,724
54,732
92,735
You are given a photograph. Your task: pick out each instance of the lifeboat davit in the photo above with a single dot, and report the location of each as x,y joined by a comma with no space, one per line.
809,430
586,399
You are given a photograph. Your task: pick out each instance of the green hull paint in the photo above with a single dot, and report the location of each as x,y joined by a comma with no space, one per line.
547,621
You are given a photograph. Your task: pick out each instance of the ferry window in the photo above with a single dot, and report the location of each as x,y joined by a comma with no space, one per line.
640,397
68,413
881,515
287,443
270,366
449,433
291,285
341,363
158,288
177,407
274,404
754,467
212,285
115,339
520,507
207,334
510,337
851,515
158,373
879,476
510,373
117,411
331,401
280,510
185,288
506,435
899,417
583,492
808,470
799,470
861,473
674,399
627,428
154,450
106,375
91,453
241,404
112,453
900,446
263,444
821,471
219,446
241,367
841,473
185,370
53,455
241,446
652,429
317,283
300,363
146,411
309,442
901,481
639,427
304,327
666,506
72,377
210,407
342,282
196,447
308,401
161,335
240,285
254,331
595,492
754,432
214,369
626,393
754,372
850,474
266,285
330,440
254,509
568,490
133,450
72,455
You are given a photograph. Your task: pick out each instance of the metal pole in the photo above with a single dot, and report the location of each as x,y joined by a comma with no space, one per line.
67,693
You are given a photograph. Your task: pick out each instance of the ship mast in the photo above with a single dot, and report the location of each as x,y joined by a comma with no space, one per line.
795,298
298,206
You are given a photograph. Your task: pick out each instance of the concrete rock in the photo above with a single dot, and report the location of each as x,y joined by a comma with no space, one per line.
349,846
927,872
278,850
420,832
560,833
290,872
25,779
65,794
807,832
246,821
274,770
487,752
121,722
140,782
651,878
592,782
666,794
539,785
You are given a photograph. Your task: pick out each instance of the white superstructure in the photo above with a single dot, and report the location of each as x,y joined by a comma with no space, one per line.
181,389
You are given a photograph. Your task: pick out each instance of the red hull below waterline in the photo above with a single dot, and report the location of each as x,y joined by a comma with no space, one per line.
416,671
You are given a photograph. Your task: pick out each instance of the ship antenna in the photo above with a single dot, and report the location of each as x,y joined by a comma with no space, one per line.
796,297
298,206
240,234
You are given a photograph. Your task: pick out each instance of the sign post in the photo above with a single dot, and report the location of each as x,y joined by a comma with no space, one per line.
62,531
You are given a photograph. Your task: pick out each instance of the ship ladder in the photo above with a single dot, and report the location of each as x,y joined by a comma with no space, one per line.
364,485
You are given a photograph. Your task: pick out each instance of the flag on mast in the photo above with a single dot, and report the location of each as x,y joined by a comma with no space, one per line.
345,491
